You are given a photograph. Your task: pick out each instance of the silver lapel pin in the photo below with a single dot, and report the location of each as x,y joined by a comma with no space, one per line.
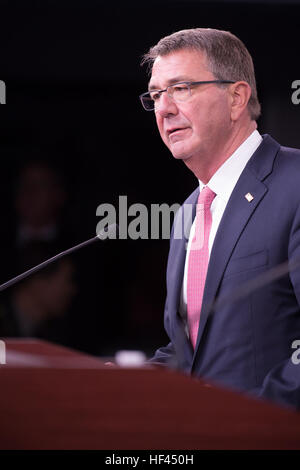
249,197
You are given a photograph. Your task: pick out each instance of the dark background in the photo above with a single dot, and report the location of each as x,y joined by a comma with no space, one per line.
73,78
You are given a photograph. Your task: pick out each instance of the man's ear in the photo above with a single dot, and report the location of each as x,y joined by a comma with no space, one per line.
240,93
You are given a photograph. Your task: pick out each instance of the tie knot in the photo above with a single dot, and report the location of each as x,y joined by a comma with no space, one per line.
206,196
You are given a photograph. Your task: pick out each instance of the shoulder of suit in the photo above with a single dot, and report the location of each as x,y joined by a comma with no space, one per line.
293,152
283,150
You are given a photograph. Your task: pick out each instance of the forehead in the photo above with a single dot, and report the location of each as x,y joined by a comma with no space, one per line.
177,66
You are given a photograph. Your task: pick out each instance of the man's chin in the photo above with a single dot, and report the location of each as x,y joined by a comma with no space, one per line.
180,155
179,151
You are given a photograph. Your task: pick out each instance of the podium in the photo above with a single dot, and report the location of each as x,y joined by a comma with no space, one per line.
55,398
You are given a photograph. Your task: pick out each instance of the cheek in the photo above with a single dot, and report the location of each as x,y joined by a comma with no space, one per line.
209,118
159,123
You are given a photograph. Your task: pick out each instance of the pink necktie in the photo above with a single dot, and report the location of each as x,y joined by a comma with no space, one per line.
198,262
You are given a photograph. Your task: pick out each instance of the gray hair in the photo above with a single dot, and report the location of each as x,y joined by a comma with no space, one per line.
227,57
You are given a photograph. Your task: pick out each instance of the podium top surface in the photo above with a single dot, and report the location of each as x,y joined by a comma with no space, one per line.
30,353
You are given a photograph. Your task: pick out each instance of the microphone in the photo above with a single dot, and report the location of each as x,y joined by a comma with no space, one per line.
104,234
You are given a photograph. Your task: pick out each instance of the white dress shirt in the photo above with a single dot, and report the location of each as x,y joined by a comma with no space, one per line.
222,184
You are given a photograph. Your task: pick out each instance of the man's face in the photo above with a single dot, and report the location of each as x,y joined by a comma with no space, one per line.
200,126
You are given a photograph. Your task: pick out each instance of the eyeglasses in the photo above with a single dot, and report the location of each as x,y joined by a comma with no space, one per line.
178,92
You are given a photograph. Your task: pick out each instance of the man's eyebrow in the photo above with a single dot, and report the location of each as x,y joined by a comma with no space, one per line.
178,79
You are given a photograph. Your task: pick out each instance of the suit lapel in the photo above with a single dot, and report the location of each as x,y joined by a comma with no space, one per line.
176,263
182,227
236,215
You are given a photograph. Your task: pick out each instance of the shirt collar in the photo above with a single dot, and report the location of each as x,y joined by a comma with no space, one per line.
226,177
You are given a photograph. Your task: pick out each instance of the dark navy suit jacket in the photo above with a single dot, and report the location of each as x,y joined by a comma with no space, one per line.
245,344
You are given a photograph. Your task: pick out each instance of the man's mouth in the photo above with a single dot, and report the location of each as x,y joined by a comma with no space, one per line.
176,131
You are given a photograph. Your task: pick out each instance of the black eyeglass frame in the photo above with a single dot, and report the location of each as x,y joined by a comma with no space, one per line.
189,84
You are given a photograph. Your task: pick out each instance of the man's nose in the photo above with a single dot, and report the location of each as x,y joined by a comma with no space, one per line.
166,105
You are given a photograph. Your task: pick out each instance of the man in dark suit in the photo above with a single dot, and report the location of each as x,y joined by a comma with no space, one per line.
203,92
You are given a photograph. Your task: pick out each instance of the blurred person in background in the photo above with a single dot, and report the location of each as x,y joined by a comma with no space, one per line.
42,214
38,305
39,201
35,212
